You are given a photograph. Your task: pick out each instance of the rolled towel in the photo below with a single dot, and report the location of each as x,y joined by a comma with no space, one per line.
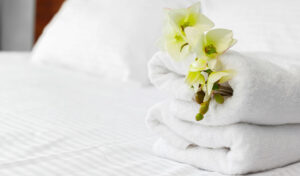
266,89
232,149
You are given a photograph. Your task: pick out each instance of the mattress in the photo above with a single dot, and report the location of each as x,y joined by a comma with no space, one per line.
54,121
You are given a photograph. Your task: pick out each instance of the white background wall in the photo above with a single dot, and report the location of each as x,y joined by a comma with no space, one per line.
16,24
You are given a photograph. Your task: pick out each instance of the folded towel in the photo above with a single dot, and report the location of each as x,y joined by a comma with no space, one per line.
266,89
232,149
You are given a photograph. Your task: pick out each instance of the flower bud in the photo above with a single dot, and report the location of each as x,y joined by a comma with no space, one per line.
199,97
204,107
219,98
199,117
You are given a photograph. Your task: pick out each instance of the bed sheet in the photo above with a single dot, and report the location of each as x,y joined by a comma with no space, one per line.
56,122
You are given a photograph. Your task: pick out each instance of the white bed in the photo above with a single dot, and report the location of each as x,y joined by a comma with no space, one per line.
59,122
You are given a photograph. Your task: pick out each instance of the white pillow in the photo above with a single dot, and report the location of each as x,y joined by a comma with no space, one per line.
258,25
111,38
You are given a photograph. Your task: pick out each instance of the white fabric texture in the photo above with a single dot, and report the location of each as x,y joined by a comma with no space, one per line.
266,89
233,137
57,122
232,149
268,25
114,38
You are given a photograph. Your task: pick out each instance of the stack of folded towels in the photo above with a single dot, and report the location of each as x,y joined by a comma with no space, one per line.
256,129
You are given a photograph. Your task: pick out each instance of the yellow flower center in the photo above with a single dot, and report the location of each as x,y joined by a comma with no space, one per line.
178,38
184,25
210,49
189,20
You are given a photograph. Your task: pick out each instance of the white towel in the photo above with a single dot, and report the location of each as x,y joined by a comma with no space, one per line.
232,149
266,89
233,137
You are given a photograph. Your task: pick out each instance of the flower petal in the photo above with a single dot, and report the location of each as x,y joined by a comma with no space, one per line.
221,39
212,63
206,97
204,23
177,50
198,65
195,78
174,42
195,8
189,17
176,17
214,77
230,75
195,38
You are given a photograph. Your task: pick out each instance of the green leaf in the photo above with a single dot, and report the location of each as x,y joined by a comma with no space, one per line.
219,98
199,116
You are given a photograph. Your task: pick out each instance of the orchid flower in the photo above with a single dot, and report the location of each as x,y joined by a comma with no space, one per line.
186,32
198,65
189,17
174,39
175,43
210,45
214,77
195,77
217,41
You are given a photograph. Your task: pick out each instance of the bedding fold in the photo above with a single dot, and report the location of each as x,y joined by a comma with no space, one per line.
231,149
254,130
266,89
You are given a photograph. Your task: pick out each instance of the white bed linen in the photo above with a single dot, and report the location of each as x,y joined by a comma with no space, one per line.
59,122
